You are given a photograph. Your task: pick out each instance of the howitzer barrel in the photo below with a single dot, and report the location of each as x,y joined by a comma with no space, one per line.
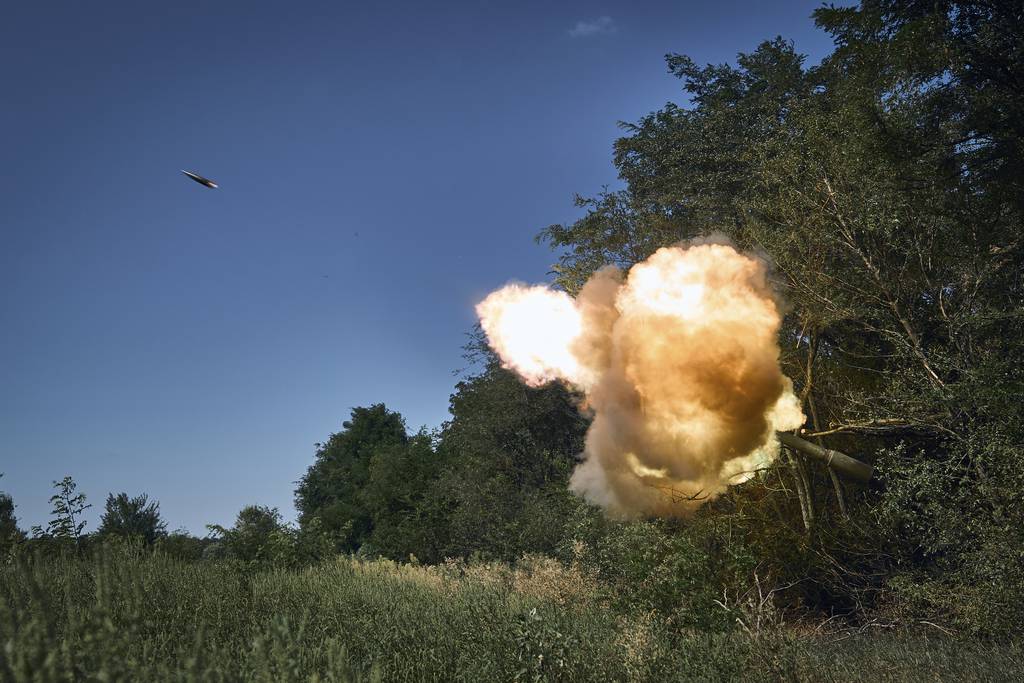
840,462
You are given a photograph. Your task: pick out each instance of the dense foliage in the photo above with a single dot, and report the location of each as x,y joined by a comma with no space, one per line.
330,492
884,186
128,516
10,534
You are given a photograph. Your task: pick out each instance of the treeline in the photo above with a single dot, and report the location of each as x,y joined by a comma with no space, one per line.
490,484
885,186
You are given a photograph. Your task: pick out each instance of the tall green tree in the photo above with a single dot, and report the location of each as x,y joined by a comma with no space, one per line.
400,498
491,482
132,517
330,491
884,185
507,452
9,531
8,522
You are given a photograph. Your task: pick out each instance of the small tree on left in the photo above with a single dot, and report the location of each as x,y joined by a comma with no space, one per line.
9,531
68,506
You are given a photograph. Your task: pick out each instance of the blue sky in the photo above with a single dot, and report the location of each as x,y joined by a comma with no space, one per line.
382,167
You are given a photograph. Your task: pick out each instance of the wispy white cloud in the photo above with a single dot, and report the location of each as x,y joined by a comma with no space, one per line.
593,27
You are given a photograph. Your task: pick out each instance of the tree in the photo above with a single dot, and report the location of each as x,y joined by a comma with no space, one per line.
181,545
9,531
127,517
493,481
257,538
8,522
506,456
330,489
884,185
66,517
399,498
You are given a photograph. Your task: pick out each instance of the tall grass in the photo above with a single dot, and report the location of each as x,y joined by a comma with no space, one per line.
130,615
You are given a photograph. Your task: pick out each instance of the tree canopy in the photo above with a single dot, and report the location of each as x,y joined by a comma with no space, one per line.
132,517
330,489
884,186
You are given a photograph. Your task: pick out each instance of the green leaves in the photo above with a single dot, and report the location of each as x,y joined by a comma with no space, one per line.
66,517
126,517
10,534
885,185
330,489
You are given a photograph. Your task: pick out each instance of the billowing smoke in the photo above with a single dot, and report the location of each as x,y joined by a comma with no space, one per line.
679,363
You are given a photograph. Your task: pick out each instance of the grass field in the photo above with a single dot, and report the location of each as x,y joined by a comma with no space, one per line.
136,616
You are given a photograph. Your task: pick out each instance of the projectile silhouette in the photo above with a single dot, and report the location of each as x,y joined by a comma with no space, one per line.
200,179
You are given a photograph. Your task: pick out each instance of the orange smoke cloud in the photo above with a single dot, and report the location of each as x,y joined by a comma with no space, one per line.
679,361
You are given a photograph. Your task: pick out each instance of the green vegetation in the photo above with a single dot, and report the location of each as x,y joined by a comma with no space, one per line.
126,517
885,187
130,614
10,534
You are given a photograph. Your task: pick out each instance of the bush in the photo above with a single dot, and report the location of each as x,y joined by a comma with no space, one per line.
959,526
